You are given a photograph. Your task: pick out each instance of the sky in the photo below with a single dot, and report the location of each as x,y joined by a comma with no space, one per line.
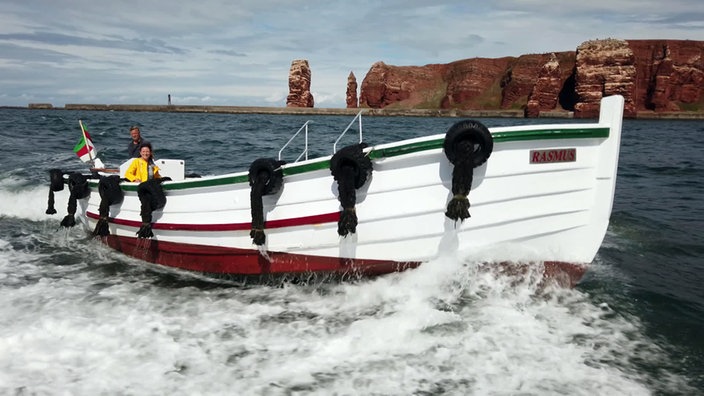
239,53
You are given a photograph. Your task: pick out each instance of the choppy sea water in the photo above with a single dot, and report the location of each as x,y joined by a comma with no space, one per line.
78,318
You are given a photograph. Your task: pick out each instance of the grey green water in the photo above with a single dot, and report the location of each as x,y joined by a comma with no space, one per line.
78,318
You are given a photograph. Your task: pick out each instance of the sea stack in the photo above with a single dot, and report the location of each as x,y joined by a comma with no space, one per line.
351,97
299,85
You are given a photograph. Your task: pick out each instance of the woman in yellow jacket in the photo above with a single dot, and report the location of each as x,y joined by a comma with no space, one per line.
142,169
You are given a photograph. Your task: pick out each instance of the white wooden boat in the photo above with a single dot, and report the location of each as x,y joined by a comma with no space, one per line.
545,190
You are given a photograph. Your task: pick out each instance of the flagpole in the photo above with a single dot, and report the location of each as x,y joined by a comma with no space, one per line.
83,131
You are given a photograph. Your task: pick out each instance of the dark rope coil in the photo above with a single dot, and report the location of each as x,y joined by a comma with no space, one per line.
350,168
78,186
56,177
110,194
462,175
468,144
151,197
265,178
50,210
257,207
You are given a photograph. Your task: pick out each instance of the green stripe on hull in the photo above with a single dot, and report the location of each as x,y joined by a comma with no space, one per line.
499,137
546,134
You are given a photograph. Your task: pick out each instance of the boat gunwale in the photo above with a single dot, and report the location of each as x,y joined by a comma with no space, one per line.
389,150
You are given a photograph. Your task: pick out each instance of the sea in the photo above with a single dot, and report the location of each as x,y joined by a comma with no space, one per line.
77,318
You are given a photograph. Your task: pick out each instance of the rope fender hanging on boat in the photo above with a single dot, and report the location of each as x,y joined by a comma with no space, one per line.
56,178
350,168
78,187
468,144
110,194
265,178
151,197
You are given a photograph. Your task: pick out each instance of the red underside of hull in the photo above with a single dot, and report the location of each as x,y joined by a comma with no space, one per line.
233,261
250,262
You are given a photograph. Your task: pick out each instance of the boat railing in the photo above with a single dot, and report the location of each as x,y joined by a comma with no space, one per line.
358,118
305,149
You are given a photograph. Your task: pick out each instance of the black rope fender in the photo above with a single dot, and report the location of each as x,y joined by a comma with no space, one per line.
351,169
151,197
265,178
78,186
56,178
110,194
468,144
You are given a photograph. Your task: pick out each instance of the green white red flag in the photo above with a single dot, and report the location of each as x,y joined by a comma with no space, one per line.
84,149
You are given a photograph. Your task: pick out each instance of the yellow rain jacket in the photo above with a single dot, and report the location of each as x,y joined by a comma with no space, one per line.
139,169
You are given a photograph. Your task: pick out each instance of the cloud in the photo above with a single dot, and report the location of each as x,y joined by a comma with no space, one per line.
239,53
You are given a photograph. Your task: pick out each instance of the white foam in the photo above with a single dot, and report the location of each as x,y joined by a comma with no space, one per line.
29,202
454,325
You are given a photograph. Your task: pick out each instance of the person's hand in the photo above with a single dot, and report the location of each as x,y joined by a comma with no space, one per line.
137,180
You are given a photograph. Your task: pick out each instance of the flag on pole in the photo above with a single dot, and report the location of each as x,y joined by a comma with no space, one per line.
84,148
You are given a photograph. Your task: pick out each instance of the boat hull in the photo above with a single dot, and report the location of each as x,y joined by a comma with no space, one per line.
545,195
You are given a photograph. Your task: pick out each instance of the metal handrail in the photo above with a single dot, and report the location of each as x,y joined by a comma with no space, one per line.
357,117
305,150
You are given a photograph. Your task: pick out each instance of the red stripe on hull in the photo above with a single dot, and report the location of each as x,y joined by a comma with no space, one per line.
292,222
234,261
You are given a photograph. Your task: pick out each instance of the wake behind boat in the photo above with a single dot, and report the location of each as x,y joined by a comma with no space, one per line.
543,190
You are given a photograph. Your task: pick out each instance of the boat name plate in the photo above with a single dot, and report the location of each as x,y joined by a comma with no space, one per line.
553,155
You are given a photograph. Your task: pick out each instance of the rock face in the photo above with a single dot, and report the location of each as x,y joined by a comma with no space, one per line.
544,94
351,97
604,67
478,83
518,81
401,87
670,74
299,85
471,83
652,75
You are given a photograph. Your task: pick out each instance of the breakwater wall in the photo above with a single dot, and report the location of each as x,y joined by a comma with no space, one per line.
644,115
287,110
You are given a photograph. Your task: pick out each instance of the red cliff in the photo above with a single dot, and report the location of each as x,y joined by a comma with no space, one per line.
653,75
401,86
552,85
473,83
604,67
669,74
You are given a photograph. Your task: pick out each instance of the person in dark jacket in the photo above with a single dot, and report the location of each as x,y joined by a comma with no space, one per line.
136,143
